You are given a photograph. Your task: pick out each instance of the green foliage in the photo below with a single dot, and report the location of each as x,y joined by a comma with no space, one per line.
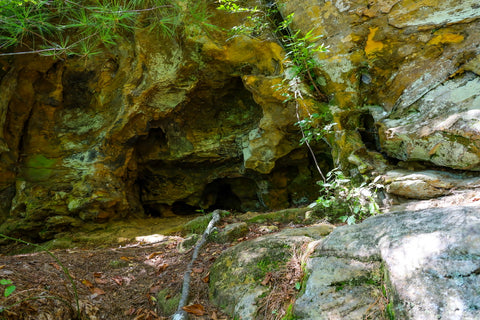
289,315
74,27
390,312
311,129
341,199
9,289
301,49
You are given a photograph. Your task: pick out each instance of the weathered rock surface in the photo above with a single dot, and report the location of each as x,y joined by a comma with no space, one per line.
161,126
426,184
157,126
418,60
430,258
236,276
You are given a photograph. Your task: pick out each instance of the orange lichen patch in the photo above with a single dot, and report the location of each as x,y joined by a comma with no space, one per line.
446,38
373,46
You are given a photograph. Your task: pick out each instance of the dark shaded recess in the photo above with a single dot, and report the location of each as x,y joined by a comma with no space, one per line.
156,136
6,196
225,110
181,208
152,210
368,132
76,89
235,194
231,107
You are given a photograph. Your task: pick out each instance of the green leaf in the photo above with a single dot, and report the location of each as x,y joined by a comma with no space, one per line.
9,290
351,220
5,281
298,285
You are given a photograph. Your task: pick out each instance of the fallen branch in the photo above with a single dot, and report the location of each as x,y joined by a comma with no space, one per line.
182,314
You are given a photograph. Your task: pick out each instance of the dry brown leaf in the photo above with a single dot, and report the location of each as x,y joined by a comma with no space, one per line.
162,267
87,283
2,266
100,281
197,270
97,274
267,279
206,279
118,280
154,289
55,265
97,291
126,258
130,311
196,309
154,254
214,316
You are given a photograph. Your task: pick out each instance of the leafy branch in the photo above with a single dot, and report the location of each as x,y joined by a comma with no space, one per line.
74,27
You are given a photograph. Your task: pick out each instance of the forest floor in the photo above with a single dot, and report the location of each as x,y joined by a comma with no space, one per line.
137,280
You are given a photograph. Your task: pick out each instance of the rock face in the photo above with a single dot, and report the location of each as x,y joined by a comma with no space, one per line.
430,259
162,125
417,60
155,126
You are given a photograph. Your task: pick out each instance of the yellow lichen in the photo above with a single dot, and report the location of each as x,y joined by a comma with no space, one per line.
446,38
373,46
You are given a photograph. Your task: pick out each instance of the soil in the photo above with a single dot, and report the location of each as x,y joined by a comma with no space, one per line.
137,280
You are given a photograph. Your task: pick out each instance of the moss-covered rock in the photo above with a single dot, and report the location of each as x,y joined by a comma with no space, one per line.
237,274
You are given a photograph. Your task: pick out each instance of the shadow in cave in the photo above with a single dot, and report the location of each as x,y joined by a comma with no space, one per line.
229,194
368,132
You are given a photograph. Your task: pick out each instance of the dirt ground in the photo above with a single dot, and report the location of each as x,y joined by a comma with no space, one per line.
138,280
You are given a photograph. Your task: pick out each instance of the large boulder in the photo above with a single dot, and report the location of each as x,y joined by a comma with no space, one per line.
429,261
237,277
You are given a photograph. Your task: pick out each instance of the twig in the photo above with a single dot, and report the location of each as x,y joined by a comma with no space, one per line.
182,314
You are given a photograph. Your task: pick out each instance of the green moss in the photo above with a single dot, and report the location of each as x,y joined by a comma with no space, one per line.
199,224
167,303
374,281
278,255
38,168
287,215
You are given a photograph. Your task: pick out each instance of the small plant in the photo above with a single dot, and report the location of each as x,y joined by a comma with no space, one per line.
311,129
341,198
9,289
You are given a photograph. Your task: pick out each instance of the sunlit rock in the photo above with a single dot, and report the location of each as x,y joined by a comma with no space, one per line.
430,267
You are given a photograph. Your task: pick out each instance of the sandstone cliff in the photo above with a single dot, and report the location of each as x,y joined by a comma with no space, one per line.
160,125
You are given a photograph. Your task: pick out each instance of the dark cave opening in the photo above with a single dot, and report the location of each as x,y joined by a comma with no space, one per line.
368,132
237,194
181,208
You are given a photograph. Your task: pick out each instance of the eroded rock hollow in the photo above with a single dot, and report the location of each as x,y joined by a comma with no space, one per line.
156,126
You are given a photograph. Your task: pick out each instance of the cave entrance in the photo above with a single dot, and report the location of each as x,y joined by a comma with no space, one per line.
237,194
368,132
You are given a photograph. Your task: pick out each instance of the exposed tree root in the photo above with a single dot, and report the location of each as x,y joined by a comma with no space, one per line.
181,314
